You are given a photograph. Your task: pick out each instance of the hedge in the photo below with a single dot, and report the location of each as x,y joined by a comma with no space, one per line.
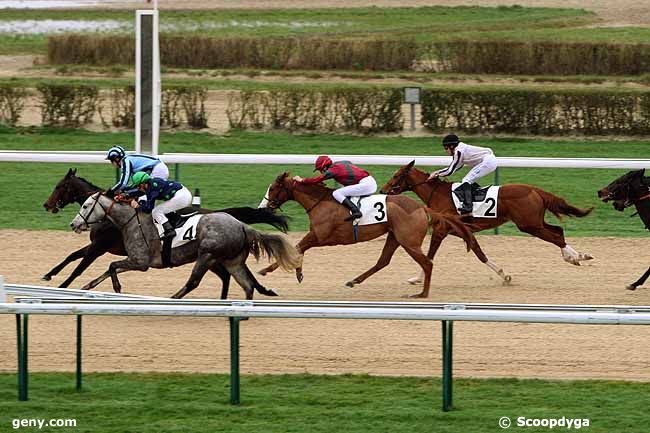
546,112
475,57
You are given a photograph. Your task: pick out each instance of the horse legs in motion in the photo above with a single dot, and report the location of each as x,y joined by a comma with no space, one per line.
639,282
436,241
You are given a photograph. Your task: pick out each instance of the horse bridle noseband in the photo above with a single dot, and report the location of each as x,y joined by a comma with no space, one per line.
107,212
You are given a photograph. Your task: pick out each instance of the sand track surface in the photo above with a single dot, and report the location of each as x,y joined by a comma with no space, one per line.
354,346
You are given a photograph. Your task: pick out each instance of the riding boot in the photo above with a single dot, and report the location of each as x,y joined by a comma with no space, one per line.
356,213
169,231
466,196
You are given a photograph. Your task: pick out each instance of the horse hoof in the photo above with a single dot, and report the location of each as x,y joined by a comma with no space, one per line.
630,287
262,272
271,293
300,277
46,278
419,295
587,257
349,284
414,280
507,280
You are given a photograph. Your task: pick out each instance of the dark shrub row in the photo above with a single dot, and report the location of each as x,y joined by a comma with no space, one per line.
357,110
537,112
12,103
540,58
485,57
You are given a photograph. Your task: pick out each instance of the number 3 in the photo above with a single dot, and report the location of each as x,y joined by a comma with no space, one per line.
380,208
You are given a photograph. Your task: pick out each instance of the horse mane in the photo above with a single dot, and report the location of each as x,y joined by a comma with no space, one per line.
417,170
90,184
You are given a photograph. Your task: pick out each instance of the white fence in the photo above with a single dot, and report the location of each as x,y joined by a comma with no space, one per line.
196,158
46,301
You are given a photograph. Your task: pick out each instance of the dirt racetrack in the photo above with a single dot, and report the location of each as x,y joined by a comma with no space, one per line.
354,346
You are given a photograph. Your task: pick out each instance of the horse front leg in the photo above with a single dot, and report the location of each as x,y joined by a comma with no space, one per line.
384,259
92,254
434,245
114,269
639,282
71,258
202,265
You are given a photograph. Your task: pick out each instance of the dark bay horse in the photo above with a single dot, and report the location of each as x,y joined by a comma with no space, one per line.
105,237
222,243
524,205
407,225
633,188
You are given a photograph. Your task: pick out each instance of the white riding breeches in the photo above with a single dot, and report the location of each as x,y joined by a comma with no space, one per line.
366,186
160,170
182,198
487,166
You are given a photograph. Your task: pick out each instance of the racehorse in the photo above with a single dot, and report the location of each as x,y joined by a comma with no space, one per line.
524,205
633,188
106,237
407,224
222,243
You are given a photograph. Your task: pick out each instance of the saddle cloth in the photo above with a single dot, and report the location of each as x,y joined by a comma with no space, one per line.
185,225
484,200
373,208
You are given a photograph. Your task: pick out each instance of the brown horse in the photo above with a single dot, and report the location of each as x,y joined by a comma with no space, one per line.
406,225
524,205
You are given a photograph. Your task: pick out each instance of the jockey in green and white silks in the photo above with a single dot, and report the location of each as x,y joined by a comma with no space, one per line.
174,196
131,164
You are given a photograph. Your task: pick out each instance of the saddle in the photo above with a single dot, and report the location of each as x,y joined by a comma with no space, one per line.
178,218
478,192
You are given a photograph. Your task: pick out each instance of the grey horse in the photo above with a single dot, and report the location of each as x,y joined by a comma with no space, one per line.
222,245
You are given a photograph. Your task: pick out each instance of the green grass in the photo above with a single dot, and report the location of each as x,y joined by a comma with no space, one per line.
423,24
309,403
28,185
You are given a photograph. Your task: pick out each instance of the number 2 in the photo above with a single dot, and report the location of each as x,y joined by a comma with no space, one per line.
493,203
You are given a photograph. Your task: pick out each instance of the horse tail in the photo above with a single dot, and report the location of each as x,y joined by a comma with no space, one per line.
250,215
559,206
451,224
272,245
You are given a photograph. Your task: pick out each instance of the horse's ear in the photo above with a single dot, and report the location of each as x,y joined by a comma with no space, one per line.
410,164
71,172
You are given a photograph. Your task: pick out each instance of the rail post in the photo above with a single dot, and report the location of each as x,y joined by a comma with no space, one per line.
79,352
234,360
22,355
496,182
447,345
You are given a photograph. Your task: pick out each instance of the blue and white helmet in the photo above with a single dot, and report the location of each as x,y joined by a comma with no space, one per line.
115,152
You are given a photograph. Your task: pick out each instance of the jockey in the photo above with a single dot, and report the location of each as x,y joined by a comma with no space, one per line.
131,164
355,181
175,197
481,159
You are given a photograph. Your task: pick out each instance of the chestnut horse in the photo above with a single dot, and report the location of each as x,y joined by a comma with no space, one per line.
406,225
524,205
633,188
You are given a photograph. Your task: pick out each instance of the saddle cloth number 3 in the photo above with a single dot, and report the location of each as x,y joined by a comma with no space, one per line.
373,209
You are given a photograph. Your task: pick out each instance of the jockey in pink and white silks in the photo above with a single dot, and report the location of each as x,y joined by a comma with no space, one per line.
481,159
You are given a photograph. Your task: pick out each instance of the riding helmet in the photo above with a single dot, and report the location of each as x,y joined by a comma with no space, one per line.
115,152
450,140
322,162
138,178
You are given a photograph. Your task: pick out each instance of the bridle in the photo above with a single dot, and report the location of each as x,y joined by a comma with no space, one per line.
79,198
275,204
402,184
107,212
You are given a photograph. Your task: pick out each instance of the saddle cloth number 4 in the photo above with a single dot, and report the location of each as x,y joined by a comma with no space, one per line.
185,233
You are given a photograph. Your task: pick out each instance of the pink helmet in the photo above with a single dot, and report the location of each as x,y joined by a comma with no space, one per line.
322,162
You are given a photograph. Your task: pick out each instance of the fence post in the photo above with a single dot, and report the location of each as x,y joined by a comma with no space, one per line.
447,344
3,292
177,172
22,356
234,360
496,182
78,352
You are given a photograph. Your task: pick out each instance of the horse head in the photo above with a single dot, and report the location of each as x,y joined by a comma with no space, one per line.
62,194
399,182
69,189
625,190
279,192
